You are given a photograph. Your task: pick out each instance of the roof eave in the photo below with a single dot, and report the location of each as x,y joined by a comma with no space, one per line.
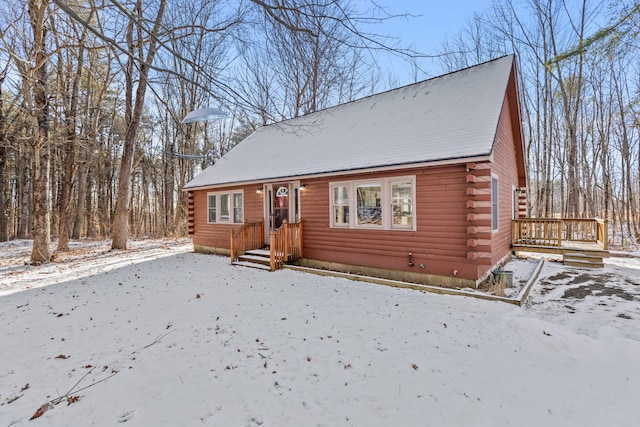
374,169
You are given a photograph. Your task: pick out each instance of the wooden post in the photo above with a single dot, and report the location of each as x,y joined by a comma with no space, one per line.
300,239
605,234
285,236
560,233
231,248
272,250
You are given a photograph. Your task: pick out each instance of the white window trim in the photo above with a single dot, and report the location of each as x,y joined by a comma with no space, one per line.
495,227
514,202
230,194
349,186
209,208
386,203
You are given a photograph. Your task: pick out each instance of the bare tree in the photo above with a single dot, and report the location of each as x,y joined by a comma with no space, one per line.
134,104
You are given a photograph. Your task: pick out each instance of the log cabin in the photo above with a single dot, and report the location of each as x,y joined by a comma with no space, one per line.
419,184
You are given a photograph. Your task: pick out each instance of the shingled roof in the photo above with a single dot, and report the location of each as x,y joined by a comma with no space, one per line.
447,119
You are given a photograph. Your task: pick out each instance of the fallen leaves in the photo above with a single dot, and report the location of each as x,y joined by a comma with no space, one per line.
414,366
40,411
546,333
62,356
72,399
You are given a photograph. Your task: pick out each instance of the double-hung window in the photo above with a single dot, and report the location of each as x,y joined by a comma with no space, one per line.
226,207
340,205
385,204
237,208
213,213
402,204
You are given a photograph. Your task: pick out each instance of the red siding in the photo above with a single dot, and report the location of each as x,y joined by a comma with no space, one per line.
217,235
438,242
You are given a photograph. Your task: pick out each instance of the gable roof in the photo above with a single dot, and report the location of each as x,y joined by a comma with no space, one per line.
449,119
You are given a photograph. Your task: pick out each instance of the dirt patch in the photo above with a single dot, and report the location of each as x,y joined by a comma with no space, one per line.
581,278
596,289
559,276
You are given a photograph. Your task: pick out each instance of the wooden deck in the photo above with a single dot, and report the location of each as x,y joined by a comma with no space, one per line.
581,242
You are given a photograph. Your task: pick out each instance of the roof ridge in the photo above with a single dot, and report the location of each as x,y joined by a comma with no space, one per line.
366,97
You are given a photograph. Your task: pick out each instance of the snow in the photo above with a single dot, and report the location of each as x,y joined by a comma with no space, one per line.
159,335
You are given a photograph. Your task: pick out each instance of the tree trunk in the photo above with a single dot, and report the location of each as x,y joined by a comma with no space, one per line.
4,234
41,150
69,166
24,190
81,200
120,225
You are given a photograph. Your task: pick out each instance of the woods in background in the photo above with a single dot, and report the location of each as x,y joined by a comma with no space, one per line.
579,84
92,94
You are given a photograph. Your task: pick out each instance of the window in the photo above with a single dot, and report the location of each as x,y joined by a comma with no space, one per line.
379,204
340,205
212,207
401,204
494,203
226,207
369,209
237,208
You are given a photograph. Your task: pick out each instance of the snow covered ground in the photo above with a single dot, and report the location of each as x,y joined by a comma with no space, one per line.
160,336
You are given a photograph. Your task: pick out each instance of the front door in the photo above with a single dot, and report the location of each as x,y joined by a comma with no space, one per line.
281,201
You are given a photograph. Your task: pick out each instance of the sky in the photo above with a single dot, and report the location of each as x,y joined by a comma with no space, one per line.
431,22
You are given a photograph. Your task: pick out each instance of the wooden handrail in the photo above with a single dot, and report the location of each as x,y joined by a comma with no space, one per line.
248,237
285,244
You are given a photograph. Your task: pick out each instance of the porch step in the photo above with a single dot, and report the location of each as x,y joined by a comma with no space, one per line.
259,252
251,265
258,259
590,260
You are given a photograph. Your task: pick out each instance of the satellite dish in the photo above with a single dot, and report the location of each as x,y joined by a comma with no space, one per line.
203,114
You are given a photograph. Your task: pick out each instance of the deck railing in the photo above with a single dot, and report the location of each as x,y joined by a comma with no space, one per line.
285,244
552,232
536,231
248,237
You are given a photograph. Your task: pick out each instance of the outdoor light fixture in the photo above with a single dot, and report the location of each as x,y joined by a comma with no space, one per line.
303,187
259,190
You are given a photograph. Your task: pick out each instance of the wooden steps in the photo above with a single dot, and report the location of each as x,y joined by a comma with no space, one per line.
258,258
584,259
